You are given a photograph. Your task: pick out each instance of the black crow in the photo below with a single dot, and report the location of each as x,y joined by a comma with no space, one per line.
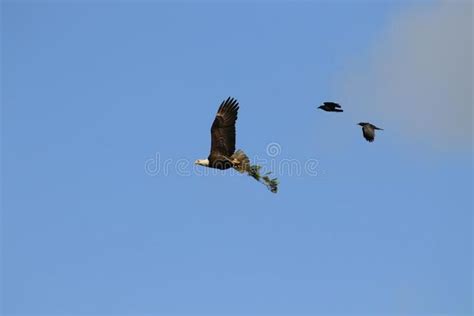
368,130
331,107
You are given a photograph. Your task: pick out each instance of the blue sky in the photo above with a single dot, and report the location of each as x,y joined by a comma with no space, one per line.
92,91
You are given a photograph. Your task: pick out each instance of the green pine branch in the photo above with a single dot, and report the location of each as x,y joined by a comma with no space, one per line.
270,183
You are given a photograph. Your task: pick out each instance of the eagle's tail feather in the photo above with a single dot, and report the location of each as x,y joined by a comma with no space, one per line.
242,164
241,161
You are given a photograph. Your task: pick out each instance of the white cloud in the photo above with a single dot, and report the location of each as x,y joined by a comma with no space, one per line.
418,80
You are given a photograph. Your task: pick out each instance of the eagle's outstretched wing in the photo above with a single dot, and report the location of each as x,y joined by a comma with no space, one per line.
223,129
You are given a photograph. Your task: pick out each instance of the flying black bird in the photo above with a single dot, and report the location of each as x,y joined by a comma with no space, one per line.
368,130
330,107
223,154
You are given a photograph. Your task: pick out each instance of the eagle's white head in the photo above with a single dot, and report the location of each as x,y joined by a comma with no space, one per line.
202,162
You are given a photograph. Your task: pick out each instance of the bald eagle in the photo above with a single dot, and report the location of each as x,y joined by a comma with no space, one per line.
223,154
368,130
